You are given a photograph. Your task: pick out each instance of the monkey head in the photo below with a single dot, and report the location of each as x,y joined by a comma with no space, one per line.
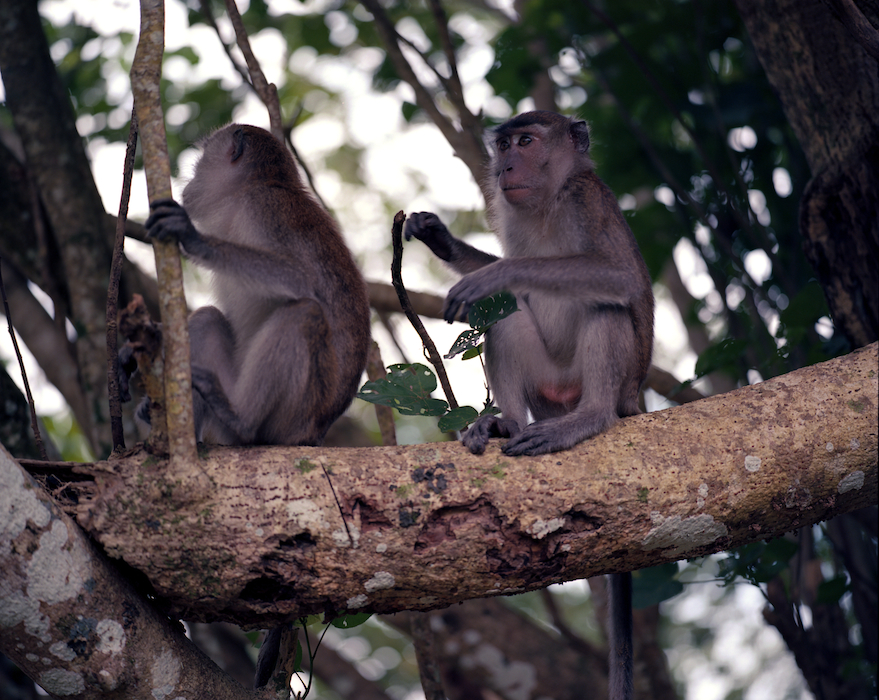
534,153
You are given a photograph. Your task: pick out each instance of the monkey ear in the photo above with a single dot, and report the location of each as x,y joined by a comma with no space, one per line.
580,136
237,143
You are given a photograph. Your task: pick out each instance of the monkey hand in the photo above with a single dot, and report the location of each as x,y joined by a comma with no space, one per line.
471,288
170,223
477,435
427,228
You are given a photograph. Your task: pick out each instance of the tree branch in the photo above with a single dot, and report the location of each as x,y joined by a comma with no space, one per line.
434,525
73,624
178,436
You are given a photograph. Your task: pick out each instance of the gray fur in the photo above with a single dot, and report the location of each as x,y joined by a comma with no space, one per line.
575,356
280,356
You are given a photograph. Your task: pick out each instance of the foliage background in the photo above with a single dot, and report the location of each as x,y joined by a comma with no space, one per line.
686,131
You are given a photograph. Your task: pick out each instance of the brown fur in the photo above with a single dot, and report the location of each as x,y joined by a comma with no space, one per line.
281,355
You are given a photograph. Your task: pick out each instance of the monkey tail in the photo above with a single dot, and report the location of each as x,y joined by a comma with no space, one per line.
619,611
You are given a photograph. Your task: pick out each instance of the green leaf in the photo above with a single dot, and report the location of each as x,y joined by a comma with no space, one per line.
458,418
486,312
482,316
406,388
723,355
469,341
346,622
802,313
653,585
409,111
830,592
297,657
758,562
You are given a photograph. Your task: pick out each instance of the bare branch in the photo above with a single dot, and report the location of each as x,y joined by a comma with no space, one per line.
113,291
397,276
434,524
375,369
27,388
178,435
467,143
267,91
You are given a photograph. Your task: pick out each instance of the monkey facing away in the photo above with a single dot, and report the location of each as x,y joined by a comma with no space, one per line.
575,355
280,356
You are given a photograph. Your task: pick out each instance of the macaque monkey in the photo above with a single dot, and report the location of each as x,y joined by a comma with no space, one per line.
576,353
281,355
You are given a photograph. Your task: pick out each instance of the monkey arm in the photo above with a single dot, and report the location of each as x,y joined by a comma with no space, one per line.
463,258
597,279
265,274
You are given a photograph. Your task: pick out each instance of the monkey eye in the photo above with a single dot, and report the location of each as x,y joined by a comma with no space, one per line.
525,139
503,144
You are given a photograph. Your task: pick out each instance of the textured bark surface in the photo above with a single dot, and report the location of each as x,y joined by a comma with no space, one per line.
72,623
57,163
424,526
829,87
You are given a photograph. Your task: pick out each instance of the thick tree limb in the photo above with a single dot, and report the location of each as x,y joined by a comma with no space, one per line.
433,525
74,624
56,161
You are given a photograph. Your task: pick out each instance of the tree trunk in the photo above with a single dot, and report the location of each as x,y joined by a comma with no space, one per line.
829,86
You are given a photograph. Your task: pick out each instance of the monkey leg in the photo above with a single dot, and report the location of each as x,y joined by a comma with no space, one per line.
556,434
287,391
603,354
212,352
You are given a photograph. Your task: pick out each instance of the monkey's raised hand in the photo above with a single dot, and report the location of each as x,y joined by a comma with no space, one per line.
427,228
169,222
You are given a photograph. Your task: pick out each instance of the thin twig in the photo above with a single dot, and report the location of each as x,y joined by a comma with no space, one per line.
288,139
177,435
208,13
442,26
397,279
467,143
575,640
27,388
267,91
338,505
113,291
375,370
385,319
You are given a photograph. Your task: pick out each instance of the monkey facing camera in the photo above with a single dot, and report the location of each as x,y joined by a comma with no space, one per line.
576,354
280,356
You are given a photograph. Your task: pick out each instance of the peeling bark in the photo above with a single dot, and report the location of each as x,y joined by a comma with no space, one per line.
72,623
425,526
